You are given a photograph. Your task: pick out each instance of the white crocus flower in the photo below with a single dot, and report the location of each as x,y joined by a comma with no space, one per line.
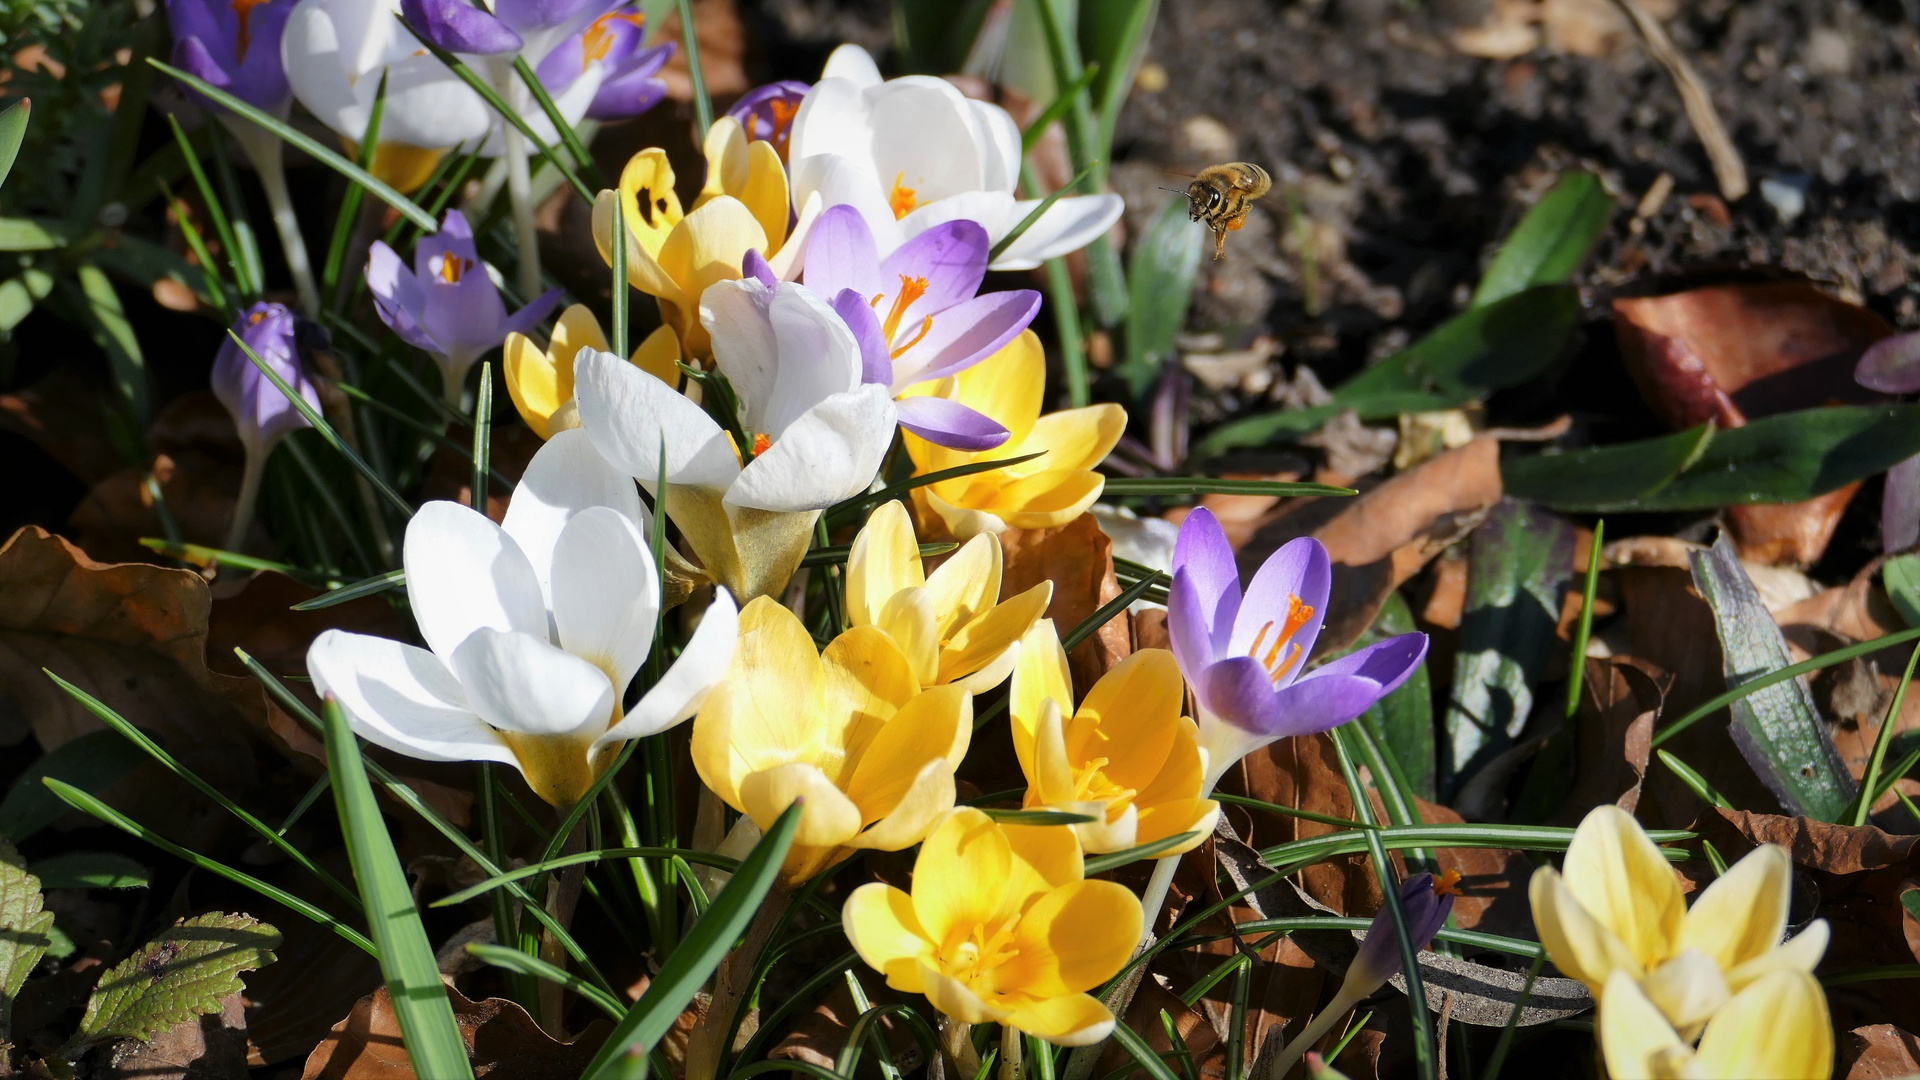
816,434
914,152
335,51
535,629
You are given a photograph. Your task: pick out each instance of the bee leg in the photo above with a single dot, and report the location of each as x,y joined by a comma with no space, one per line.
1219,244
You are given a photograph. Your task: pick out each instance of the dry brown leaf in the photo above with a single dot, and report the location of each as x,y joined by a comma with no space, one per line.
1879,1052
212,1047
1302,772
62,414
1143,1015
1617,713
502,1042
1078,558
820,1035
260,619
450,475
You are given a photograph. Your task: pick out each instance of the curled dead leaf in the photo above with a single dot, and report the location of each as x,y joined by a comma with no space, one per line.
502,1041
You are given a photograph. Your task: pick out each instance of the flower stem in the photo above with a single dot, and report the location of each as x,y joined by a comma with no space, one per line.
730,985
1012,1065
520,191
956,1042
1341,1004
263,149
251,474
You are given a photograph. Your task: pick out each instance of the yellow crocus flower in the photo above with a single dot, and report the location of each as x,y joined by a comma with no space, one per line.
1618,908
1127,756
849,730
1049,490
1775,1029
541,380
673,255
1001,927
950,624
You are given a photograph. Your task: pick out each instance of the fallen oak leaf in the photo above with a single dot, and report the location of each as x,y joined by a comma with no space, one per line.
1078,558
1879,1052
502,1041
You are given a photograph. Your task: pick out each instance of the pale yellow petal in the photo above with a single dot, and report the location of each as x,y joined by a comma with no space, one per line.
1076,439
1108,832
643,268
726,152
1068,1020
885,559
880,923
768,709
646,190
923,731
868,679
827,817
909,619
1050,779
1776,1029
962,522
1743,912
991,674
967,585
577,329
1048,500
1635,1039
982,640
1624,882
926,800
960,876
1580,946
659,354
1040,674
1687,988
705,248
1802,952
531,382
951,996
1073,939
765,193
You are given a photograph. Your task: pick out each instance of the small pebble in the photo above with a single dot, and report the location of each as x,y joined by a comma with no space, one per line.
1786,198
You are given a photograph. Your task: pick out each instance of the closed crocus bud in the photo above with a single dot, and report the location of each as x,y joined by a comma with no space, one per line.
234,46
766,112
1892,366
261,412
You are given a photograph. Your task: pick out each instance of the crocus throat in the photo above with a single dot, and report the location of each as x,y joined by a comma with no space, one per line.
903,199
599,38
911,289
452,267
1276,665
1091,784
972,958
778,128
243,10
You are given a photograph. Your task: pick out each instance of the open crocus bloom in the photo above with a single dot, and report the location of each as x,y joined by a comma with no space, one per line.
766,112
1126,757
1618,908
334,52
234,46
615,42
535,629
950,625
1246,656
1049,490
849,730
447,305
541,380
916,315
815,435
1775,1029
1002,927
915,152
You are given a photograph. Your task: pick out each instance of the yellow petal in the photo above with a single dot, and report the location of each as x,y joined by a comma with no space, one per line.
1107,833
926,800
1131,717
1687,988
1634,1037
768,709
1073,938
963,522
991,674
1182,770
908,619
885,559
1039,675
1744,911
1050,779
707,247
1045,857
1161,820
652,208
951,996
960,876
1074,439
923,731
643,268
403,166
1776,1029
1580,946
827,817
576,330
658,355
981,641
868,680
1047,500
967,585
880,923
531,382
1008,386
1802,952
726,152
1068,1020
1624,882
766,192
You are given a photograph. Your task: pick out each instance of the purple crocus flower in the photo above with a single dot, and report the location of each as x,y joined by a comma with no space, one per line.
260,411
916,315
1426,904
1892,366
447,305
629,83
1246,656
766,112
234,45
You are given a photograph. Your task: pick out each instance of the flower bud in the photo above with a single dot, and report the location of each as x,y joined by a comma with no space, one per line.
260,411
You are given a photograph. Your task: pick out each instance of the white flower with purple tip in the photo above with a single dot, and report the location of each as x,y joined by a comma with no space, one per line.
1246,656
916,315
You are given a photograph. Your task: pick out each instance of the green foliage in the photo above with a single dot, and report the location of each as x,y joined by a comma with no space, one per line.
91,870
1160,279
91,762
25,929
177,976
1552,241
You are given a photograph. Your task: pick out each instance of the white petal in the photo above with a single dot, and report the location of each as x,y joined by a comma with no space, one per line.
745,349
924,138
838,180
1067,226
566,476
999,145
464,573
684,688
792,259
992,209
401,697
818,357
518,682
606,593
334,52
827,455
832,120
629,413
854,63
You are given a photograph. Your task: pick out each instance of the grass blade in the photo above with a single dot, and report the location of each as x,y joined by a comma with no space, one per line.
582,160
1108,611
222,227
13,128
1038,129
705,858
1202,485
617,317
520,963
392,579
1100,864
1143,1055
1513,1019
1870,783
350,204
841,512
1837,656
702,102
1037,212
406,956
1585,631
1694,780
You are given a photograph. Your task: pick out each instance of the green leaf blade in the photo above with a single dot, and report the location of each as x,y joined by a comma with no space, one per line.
1551,240
177,976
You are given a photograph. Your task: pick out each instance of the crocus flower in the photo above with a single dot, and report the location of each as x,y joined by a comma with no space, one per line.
616,42
916,315
261,413
951,625
814,435
234,46
1775,1029
540,381
535,626
1425,903
1246,657
849,730
335,52
1001,927
1892,366
674,256
766,112
914,152
1126,757
1049,490
447,305
1618,908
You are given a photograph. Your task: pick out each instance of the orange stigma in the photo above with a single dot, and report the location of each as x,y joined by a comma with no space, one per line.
451,268
902,200
1276,665
598,39
254,319
1447,884
760,444
243,9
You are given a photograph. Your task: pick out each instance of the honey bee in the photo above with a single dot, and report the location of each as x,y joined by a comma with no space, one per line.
1220,196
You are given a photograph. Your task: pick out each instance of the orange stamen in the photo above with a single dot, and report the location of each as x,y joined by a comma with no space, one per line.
760,444
783,113
911,289
254,319
1297,616
926,324
243,9
902,200
451,268
598,40
1447,884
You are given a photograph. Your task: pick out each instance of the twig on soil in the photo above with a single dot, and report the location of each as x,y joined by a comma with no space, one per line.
1728,169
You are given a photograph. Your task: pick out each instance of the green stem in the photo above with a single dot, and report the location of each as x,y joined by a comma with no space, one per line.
690,41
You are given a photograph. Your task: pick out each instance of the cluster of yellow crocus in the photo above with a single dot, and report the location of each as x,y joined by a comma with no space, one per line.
1051,489
1126,757
540,381
1665,975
